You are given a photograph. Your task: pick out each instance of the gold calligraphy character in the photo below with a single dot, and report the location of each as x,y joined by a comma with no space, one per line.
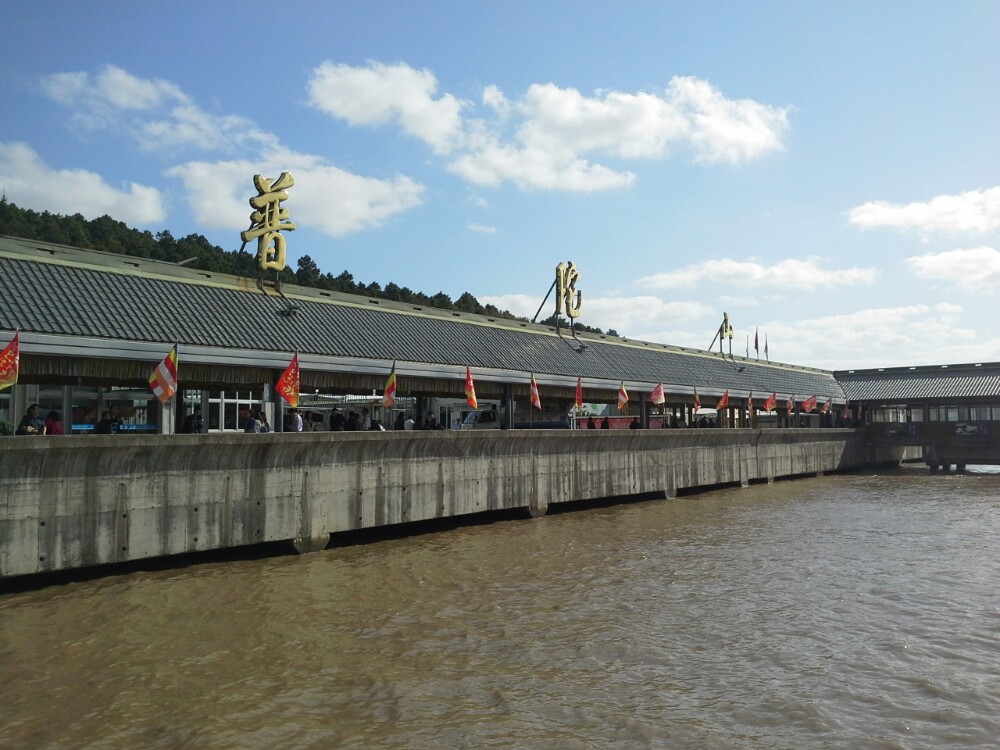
727,329
268,220
566,278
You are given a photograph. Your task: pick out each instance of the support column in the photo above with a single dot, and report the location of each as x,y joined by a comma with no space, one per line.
67,409
537,506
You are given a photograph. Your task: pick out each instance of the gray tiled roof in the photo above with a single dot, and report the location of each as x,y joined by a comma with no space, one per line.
913,383
57,290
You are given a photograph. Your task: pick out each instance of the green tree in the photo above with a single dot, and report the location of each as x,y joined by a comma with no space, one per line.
308,273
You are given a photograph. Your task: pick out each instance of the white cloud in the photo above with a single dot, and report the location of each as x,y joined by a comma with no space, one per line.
621,124
882,337
626,314
112,87
559,127
974,211
727,130
534,168
161,116
381,94
101,100
30,183
918,334
187,125
524,305
548,138
482,229
218,193
623,314
972,268
156,113
801,274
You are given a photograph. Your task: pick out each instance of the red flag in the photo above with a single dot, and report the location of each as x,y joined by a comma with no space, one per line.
697,400
579,392
163,381
809,404
771,402
10,361
622,397
724,401
790,404
828,405
389,394
470,389
535,400
750,403
288,383
657,397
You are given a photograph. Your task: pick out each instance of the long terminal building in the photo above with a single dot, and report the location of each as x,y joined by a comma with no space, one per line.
93,325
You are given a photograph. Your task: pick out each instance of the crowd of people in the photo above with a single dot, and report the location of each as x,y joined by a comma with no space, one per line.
32,424
352,421
109,422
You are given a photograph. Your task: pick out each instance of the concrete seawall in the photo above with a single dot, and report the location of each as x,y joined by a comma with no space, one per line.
71,502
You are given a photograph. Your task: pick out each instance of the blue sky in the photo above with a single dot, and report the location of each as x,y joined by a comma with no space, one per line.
826,173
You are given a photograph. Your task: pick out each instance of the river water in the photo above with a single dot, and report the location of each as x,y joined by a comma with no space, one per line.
838,612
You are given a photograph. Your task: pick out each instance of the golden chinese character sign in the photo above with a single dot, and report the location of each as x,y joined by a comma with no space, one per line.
727,328
567,295
268,220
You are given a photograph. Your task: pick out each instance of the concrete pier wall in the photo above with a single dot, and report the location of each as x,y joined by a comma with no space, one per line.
71,502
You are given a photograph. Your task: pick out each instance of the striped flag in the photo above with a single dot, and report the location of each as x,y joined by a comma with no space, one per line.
790,404
389,394
163,381
579,392
657,397
750,403
535,400
10,361
809,404
470,389
697,400
771,402
622,397
288,383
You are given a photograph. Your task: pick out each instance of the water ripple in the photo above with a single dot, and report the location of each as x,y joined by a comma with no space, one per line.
857,612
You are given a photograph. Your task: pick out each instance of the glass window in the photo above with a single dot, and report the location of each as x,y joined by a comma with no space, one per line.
917,414
934,414
5,415
951,413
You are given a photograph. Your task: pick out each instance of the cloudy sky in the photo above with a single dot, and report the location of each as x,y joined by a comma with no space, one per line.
826,173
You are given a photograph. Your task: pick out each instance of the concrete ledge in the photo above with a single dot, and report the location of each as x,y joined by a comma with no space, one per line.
70,502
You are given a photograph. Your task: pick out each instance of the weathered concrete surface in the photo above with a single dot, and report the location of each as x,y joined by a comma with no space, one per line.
70,502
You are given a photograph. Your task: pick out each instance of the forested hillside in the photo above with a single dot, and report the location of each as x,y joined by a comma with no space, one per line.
112,236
